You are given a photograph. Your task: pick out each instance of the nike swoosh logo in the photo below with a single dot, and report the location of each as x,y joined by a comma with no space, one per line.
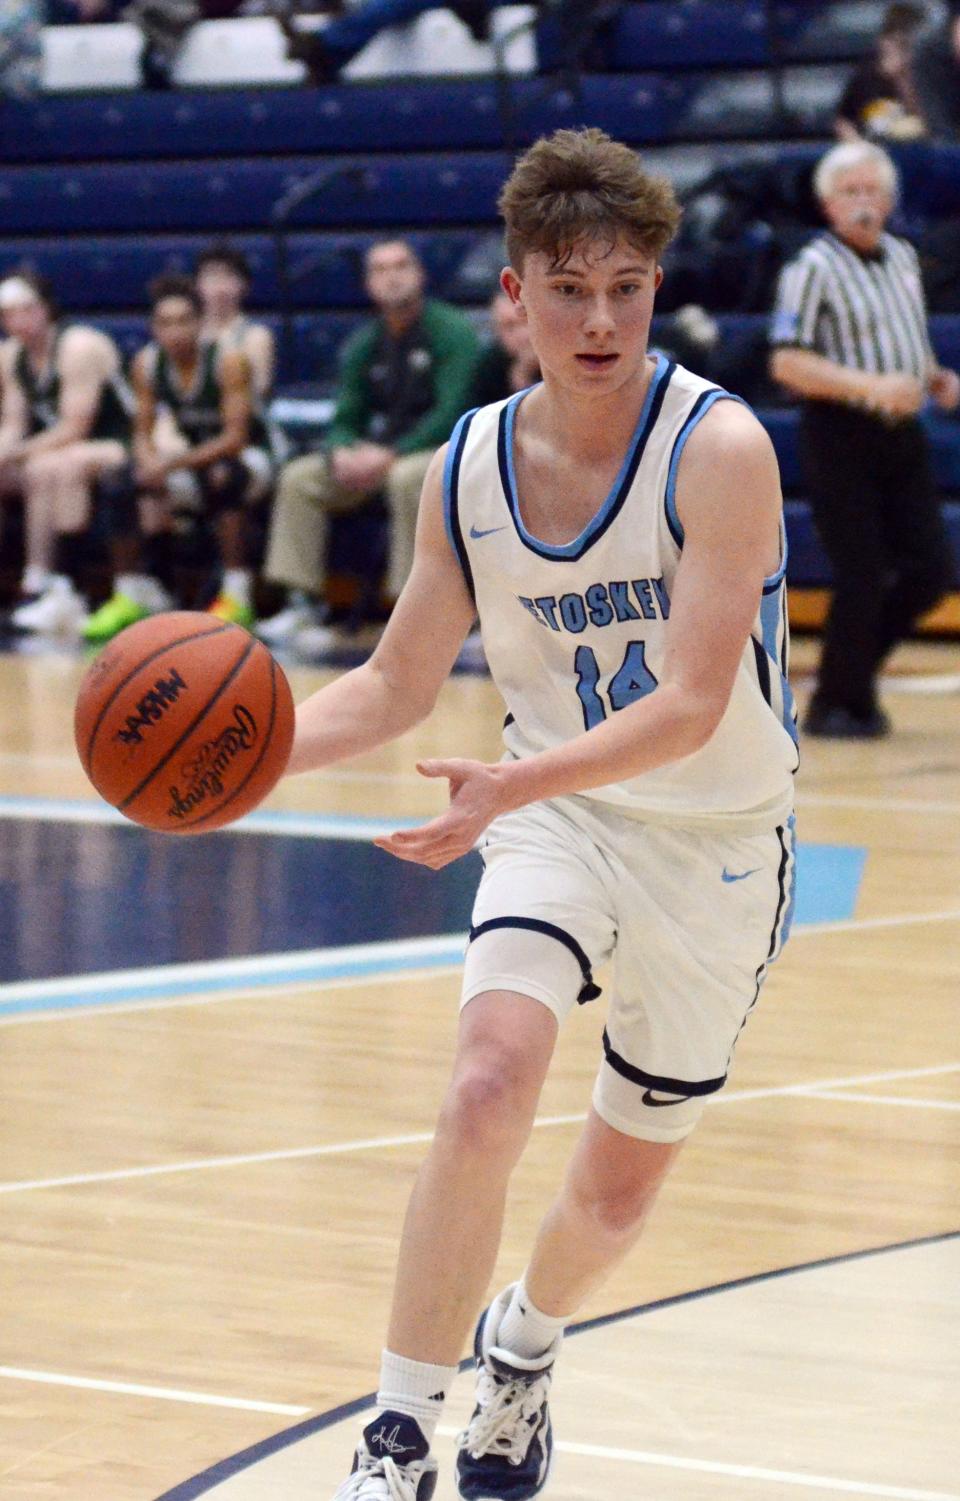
727,875
651,1099
488,533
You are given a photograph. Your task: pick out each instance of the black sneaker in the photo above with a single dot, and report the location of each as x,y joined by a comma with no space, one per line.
506,1449
835,723
392,1463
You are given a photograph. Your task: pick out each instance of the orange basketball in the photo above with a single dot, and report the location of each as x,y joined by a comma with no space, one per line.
184,723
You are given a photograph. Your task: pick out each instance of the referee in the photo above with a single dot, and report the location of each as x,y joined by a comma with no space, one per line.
849,337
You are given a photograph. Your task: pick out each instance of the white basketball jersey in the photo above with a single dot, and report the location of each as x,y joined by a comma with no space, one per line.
573,633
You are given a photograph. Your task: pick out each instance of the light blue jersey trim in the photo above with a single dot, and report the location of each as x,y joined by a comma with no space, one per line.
772,607
450,466
700,409
597,523
776,579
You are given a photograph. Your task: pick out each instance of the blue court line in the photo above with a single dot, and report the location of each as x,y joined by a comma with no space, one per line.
201,1484
828,886
166,982
310,825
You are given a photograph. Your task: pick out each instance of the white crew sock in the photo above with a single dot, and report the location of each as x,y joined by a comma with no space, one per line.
236,583
524,1330
35,580
415,1389
136,586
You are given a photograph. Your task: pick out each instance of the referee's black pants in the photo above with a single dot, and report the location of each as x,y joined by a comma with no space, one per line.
878,515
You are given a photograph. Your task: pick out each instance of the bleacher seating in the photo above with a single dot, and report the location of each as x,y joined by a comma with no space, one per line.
693,86
251,49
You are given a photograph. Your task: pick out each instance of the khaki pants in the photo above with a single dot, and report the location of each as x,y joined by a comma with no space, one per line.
307,496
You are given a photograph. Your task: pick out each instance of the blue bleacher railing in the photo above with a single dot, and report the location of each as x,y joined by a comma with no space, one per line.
285,207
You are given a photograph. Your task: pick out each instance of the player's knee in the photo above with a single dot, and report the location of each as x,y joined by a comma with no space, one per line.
485,1111
616,1209
301,481
41,467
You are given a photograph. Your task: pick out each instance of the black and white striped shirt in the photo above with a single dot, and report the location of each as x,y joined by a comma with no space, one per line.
863,311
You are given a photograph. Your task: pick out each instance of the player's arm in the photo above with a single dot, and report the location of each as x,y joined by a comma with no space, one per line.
13,403
261,351
85,360
728,502
398,686
235,406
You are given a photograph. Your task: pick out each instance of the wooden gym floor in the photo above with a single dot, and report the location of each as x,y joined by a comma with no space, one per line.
210,1117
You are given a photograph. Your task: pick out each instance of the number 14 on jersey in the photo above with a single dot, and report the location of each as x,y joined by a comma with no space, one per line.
632,680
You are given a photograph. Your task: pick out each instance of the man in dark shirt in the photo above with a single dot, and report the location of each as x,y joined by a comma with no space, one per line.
405,378
880,100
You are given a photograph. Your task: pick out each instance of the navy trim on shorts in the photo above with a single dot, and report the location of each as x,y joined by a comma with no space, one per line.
588,991
639,1076
782,893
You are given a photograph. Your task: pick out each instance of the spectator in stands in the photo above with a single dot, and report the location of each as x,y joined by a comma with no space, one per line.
849,338
223,281
406,376
165,24
66,421
507,364
219,463
324,53
937,73
880,100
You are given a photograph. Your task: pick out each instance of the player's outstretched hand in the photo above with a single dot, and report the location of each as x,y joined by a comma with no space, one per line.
476,797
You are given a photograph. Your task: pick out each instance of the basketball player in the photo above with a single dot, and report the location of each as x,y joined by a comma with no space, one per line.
66,421
215,456
223,281
618,530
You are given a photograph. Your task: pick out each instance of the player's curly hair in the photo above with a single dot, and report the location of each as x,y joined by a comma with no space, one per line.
172,284
580,185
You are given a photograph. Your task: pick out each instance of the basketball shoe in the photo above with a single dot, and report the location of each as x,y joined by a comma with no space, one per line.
392,1463
505,1450
233,611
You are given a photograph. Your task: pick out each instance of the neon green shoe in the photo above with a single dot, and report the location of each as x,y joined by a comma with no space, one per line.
226,607
112,618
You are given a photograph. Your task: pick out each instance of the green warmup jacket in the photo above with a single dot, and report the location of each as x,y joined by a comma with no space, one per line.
406,393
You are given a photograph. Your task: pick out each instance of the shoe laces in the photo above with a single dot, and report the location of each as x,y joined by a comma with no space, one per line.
506,1416
378,1479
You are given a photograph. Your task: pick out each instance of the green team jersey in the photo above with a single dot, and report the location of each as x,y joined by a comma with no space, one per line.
197,412
112,419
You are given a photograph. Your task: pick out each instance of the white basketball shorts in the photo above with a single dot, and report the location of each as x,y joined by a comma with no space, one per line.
692,918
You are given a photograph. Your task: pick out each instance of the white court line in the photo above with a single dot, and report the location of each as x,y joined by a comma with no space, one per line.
162,1393
930,1071
218,997
417,1138
865,924
883,1099
747,1472
304,966
875,804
